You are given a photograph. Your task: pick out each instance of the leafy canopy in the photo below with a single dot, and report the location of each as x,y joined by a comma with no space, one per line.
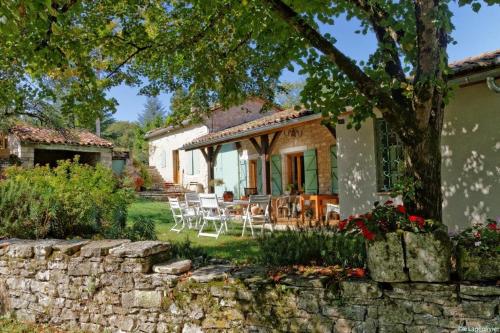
215,50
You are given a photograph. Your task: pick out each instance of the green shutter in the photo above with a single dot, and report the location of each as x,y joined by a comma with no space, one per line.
276,183
243,176
334,169
259,176
311,171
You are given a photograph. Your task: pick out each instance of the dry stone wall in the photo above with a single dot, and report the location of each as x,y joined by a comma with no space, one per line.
119,286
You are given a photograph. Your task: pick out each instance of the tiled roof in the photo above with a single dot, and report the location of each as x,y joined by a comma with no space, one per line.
27,133
476,63
274,120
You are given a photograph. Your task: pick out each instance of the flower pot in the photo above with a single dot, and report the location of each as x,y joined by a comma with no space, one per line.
228,196
477,267
385,259
428,256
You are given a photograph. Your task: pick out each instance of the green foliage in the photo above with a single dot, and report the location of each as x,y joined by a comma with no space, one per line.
67,201
185,250
324,247
153,114
480,239
121,133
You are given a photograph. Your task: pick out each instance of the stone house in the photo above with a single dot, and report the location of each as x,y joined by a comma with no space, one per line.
35,145
289,148
181,167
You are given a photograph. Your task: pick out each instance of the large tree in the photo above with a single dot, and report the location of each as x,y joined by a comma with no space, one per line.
223,50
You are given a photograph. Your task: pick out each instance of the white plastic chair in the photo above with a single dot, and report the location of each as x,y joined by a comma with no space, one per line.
178,214
264,203
192,209
331,208
212,212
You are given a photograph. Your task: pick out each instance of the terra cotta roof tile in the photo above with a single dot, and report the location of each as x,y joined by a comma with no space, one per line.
77,137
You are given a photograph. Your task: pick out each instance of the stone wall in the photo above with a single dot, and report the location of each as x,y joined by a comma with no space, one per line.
118,286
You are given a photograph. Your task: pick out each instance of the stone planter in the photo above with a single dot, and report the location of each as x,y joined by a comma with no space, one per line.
385,259
428,256
472,267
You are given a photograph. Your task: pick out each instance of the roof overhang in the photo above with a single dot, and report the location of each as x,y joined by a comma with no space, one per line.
253,132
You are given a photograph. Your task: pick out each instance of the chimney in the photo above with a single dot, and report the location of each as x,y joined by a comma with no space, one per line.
98,127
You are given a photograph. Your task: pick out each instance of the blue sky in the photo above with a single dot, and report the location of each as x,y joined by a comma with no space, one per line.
474,32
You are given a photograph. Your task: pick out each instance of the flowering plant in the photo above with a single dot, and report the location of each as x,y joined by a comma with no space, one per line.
481,239
384,219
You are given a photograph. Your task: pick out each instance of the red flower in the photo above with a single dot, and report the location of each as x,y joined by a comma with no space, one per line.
401,209
477,234
356,272
492,226
350,217
388,202
360,224
342,225
419,220
368,234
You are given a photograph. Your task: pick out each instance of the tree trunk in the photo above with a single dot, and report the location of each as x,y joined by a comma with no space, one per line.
424,166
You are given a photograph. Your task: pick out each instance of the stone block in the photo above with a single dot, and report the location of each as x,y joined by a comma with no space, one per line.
21,249
428,256
142,299
70,247
140,249
173,267
393,313
210,273
478,290
385,259
101,248
360,289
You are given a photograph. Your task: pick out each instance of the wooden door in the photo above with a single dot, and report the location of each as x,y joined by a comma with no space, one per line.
176,167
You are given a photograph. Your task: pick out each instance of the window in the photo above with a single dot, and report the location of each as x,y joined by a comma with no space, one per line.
389,155
193,162
295,170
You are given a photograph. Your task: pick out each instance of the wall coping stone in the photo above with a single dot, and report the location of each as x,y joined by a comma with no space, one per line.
101,247
139,249
211,273
70,247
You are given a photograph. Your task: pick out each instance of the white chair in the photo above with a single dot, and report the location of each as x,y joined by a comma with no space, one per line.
212,213
178,214
331,208
192,209
262,217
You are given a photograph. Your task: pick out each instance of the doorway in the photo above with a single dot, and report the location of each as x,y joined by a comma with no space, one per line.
176,168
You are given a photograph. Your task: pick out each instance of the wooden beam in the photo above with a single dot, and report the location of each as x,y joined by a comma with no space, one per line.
266,164
273,142
216,151
210,169
332,130
205,156
256,145
238,145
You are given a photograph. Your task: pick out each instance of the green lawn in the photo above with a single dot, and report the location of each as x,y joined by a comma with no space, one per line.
228,246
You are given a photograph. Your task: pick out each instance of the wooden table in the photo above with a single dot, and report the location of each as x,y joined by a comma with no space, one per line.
320,201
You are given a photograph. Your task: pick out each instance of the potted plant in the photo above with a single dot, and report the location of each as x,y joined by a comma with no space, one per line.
290,189
402,247
478,252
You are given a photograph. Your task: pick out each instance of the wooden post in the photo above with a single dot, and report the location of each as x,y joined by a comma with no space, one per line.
266,164
210,154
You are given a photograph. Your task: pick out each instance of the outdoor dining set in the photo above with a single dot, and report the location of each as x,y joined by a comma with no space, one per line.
210,214
204,211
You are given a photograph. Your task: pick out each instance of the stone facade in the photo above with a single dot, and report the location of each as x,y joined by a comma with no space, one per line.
110,286
313,135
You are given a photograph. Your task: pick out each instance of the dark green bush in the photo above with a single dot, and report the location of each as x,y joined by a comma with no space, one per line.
306,247
67,201
185,250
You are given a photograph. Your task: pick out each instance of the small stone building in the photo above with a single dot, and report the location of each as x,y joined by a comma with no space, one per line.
35,145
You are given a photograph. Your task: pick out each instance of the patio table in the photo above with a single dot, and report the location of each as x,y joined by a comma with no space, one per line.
320,201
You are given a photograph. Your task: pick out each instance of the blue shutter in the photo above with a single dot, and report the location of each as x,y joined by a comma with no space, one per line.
334,174
311,171
243,176
259,176
276,179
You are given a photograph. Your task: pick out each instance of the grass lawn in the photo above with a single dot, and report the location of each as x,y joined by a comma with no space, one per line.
229,246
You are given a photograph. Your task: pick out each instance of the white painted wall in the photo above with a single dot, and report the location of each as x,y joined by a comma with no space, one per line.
470,162
161,147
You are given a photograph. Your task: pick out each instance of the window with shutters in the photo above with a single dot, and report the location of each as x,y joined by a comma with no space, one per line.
295,171
334,169
389,155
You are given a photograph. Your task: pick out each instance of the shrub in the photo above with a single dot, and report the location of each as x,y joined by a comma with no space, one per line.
185,250
305,247
69,200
